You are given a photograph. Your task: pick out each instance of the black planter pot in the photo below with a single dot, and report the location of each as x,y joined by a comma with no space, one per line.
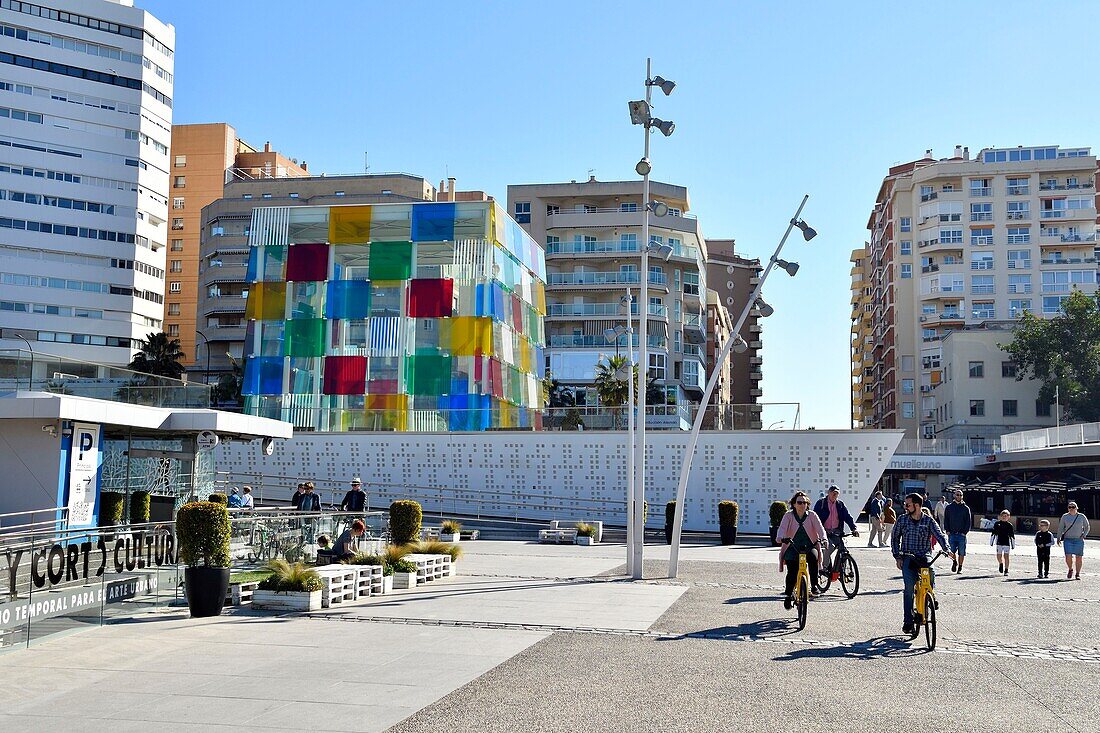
668,534
205,589
729,535
771,533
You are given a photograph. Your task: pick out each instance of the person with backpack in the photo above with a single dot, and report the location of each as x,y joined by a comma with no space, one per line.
874,519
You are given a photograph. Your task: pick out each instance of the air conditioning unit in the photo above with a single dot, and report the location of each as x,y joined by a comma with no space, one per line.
923,319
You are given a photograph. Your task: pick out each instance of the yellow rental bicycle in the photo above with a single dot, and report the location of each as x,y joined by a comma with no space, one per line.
802,591
924,602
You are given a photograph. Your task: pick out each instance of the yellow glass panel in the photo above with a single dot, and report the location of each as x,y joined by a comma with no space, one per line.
540,297
266,302
387,412
349,224
471,336
524,353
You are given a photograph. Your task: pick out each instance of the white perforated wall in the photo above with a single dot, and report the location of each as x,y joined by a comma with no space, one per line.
751,467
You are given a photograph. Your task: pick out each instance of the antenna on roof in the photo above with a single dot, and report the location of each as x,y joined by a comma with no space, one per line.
366,166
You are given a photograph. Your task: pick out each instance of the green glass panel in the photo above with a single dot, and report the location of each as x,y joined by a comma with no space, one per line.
391,260
428,374
305,337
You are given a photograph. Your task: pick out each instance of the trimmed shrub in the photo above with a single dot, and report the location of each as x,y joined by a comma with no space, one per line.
365,559
403,566
450,526
670,513
586,530
202,528
219,498
776,512
139,507
728,512
289,577
405,518
111,504
437,547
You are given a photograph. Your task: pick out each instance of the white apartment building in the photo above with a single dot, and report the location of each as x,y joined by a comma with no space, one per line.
85,128
592,232
961,244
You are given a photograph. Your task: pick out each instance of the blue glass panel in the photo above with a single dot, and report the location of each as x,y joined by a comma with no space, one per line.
468,412
263,375
433,222
253,272
497,307
348,299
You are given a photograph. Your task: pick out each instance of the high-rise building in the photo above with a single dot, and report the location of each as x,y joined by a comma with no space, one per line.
420,316
205,157
959,247
592,233
86,99
733,278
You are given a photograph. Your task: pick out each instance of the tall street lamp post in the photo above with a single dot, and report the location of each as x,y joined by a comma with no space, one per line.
206,377
613,334
733,341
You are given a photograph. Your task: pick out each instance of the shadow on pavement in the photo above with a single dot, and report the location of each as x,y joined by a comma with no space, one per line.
766,629
878,648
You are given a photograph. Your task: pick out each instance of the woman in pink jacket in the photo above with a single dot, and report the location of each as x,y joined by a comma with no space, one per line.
800,531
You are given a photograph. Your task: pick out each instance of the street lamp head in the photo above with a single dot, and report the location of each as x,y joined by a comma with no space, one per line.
659,208
808,232
643,168
740,345
790,267
611,335
666,85
765,309
666,127
639,112
662,250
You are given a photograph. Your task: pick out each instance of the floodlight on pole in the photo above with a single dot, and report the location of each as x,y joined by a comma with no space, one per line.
666,85
808,232
740,345
658,208
664,251
643,168
790,267
765,309
667,127
639,112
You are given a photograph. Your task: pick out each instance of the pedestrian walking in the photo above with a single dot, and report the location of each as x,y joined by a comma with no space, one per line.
355,499
247,502
296,497
1044,540
1073,527
941,508
309,502
874,519
957,521
1003,536
889,517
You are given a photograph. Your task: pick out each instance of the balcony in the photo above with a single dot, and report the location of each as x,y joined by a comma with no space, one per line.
937,293
1088,214
604,278
588,342
1047,240
1018,190
613,217
1069,261
981,191
1018,215
601,310
695,331
1066,187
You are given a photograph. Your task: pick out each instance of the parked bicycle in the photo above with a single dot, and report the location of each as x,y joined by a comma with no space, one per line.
844,569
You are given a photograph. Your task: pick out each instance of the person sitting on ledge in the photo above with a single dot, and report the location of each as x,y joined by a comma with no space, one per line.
347,544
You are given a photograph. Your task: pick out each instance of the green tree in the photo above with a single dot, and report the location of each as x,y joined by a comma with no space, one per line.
228,388
1064,354
159,355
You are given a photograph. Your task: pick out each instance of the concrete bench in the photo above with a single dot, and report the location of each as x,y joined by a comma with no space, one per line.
430,567
566,531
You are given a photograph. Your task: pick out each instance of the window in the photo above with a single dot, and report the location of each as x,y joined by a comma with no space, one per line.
338,193
174,329
906,224
1019,235
175,266
1052,305
927,193
906,247
1008,369
981,212
523,212
983,235
906,271
657,366
173,309
908,363
177,245
1019,210
177,202
981,284
951,236
1042,409
1020,284
981,186
179,182
181,161
1018,187
1009,408
175,287
1019,259
552,209
293,194
984,310
977,408
908,386
691,283
628,242
177,224
267,195
976,369
247,196
1016,308
908,409
981,260
628,206
1063,281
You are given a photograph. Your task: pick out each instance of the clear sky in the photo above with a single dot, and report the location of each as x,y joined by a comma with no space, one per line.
774,100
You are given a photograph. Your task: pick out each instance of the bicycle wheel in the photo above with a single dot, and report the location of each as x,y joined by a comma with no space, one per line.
849,576
824,581
803,604
930,622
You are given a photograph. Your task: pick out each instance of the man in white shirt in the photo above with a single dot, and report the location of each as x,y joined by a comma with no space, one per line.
246,498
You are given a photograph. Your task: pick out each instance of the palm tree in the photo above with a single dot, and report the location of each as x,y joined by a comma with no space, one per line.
613,390
159,355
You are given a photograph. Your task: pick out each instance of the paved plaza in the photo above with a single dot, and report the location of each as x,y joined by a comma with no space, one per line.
534,637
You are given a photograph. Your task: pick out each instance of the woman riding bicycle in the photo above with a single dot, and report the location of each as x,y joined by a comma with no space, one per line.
800,531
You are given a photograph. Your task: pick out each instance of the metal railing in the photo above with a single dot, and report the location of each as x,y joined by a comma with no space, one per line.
615,210
602,309
1078,434
604,278
945,447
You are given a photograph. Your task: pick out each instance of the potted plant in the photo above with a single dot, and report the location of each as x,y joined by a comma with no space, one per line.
219,498
202,529
405,518
111,505
290,587
586,533
775,516
404,574
670,517
727,521
139,507
451,531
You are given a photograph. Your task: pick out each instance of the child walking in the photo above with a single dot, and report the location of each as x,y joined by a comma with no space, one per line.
1044,540
1003,536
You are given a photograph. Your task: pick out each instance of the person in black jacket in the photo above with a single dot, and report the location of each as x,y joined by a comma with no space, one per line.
296,497
309,502
356,499
1003,535
1044,540
957,521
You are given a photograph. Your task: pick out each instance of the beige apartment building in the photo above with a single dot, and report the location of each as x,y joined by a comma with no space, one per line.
592,232
960,248
732,278
204,157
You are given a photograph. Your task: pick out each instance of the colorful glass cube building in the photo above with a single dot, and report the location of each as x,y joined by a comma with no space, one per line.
421,316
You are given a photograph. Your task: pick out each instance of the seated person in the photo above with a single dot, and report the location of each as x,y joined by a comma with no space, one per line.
347,544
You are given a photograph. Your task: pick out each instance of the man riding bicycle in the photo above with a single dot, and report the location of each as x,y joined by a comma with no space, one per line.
911,545
834,515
